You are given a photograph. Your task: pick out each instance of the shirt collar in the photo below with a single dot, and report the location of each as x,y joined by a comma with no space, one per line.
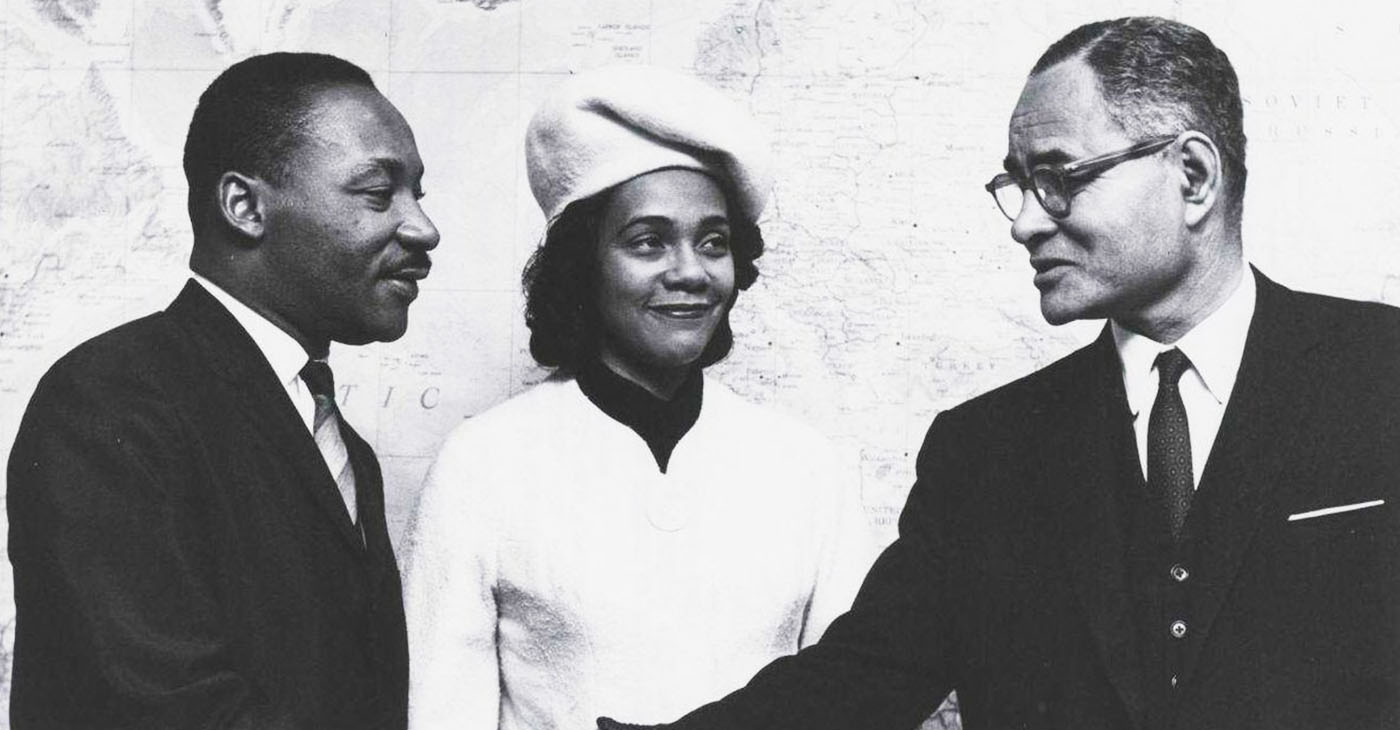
283,352
1215,347
660,423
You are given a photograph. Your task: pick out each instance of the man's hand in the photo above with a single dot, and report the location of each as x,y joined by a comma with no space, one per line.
607,723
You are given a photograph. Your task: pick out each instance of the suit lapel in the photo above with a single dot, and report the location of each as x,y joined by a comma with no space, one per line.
1082,461
1250,455
238,362
369,491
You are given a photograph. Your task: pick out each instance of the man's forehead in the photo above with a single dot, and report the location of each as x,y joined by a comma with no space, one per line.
1044,136
1041,123
392,166
1060,114
362,128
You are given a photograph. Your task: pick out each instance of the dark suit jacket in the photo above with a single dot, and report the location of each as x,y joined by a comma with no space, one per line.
1009,581
182,558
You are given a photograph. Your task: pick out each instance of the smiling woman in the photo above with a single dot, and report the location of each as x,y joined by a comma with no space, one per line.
665,276
628,536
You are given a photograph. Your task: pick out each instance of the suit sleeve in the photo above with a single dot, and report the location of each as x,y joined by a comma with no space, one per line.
890,660
118,617
449,598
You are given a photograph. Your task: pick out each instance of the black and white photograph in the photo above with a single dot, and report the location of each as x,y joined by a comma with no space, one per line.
710,365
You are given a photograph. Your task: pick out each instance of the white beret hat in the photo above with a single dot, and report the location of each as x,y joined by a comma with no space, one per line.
609,125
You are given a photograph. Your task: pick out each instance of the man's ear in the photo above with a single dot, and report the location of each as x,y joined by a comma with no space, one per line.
1202,184
243,204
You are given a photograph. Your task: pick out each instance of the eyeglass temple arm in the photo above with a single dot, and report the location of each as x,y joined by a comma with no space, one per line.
1094,164
1089,166
1001,179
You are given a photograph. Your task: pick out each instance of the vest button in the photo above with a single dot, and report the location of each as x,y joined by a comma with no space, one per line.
1178,629
1179,573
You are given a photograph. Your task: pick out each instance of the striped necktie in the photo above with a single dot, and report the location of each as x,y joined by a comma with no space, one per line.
326,429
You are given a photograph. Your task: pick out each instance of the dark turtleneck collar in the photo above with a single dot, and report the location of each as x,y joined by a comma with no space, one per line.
660,423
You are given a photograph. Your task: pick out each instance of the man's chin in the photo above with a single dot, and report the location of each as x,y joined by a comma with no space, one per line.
390,334
376,332
1057,313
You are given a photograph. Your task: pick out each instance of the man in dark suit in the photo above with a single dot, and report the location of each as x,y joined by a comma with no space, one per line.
1194,522
198,539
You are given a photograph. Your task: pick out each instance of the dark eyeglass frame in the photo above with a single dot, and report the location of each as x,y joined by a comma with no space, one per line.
1044,179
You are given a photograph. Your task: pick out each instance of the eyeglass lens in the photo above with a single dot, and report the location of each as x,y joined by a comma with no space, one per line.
1009,198
1049,191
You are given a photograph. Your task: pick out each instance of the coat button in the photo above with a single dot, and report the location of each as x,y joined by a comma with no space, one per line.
1179,573
1178,629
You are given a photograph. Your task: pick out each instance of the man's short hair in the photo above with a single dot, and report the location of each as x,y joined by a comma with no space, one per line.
561,280
253,116
1159,77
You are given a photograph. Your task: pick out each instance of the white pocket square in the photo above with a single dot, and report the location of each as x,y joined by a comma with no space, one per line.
1334,510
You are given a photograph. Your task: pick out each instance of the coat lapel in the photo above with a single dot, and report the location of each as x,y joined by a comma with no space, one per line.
1259,430
236,359
1082,462
369,489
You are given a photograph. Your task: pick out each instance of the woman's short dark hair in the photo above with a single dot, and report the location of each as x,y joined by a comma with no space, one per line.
559,280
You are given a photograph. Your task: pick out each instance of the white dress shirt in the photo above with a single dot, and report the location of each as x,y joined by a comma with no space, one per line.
283,352
1214,347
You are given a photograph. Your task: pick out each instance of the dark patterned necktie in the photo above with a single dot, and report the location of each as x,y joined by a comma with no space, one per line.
1169,442
326,430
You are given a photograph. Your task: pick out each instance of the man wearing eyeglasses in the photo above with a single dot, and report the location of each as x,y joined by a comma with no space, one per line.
1194,522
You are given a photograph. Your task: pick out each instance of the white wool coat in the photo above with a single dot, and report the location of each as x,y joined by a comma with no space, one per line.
553,574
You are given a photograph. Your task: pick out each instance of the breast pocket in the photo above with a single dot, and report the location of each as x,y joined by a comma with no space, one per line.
1337,509
1341,536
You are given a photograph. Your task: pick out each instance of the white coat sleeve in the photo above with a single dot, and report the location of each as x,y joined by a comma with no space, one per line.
449,596
847,546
